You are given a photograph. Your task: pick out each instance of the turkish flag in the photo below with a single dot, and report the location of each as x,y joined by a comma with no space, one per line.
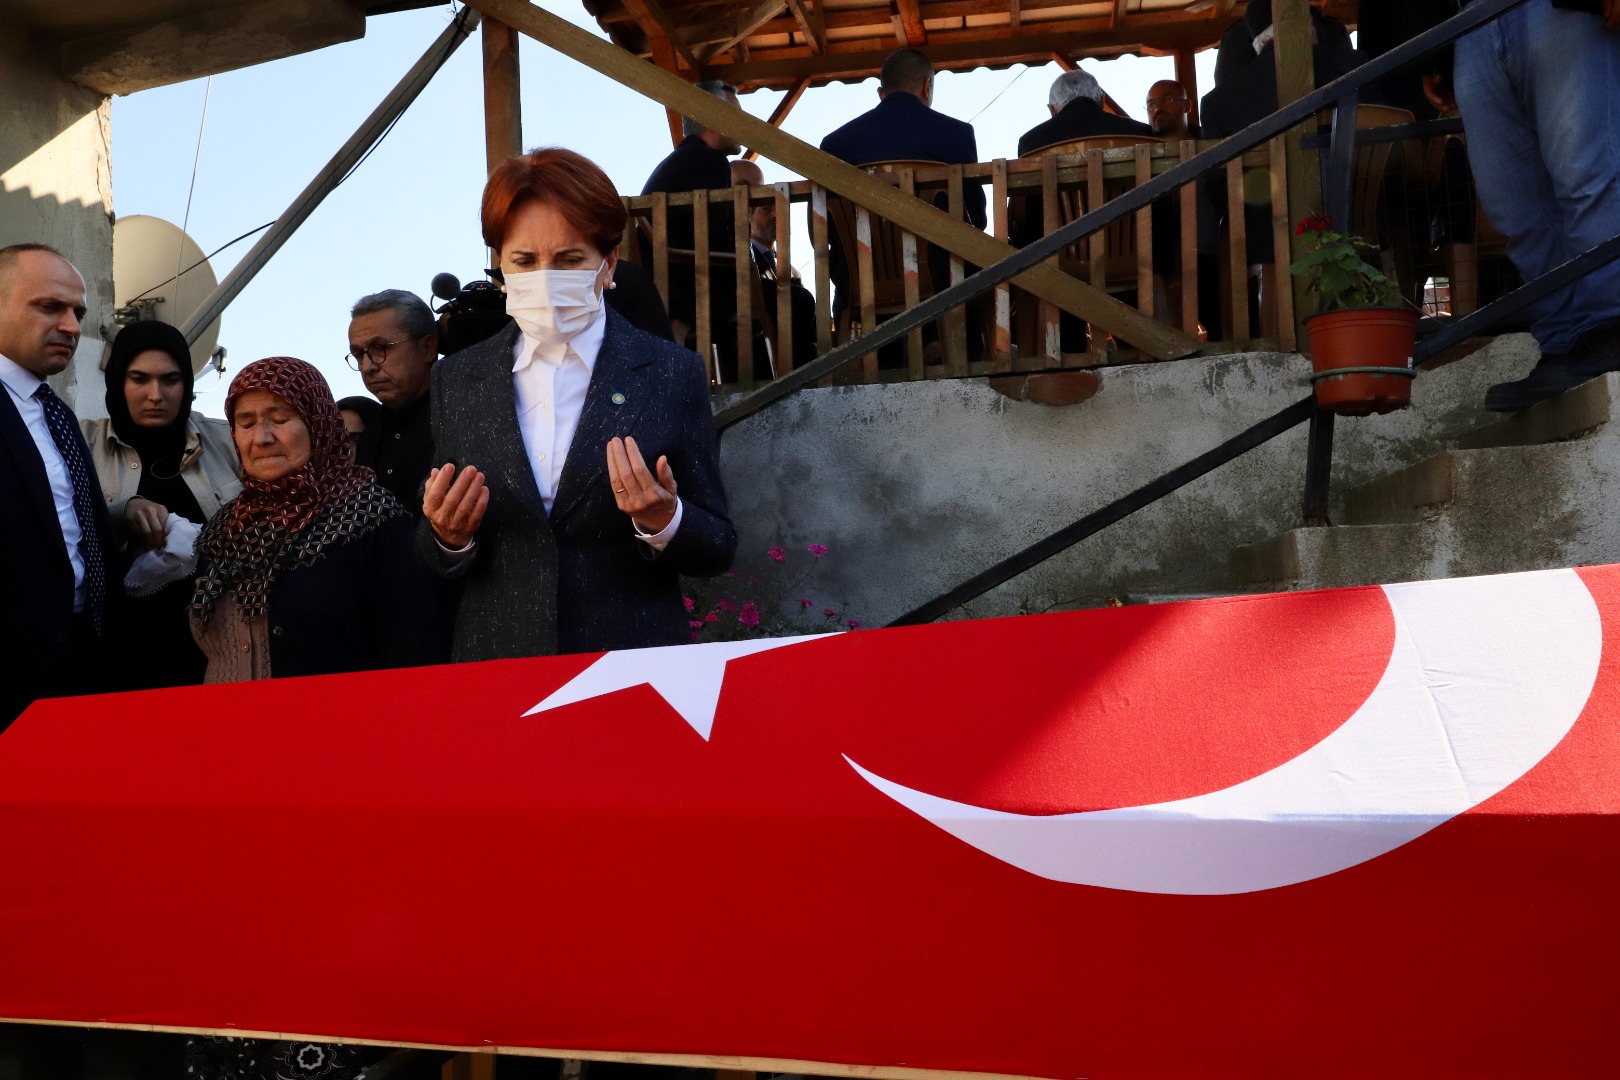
1167,841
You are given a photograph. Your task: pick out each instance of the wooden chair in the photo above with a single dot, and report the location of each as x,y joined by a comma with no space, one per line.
763,320
1118,270
888,283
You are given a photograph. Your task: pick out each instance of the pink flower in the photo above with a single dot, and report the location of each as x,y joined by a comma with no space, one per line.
854,624
749,615
712,616
691,605
726,605
818,550
777,554
696,624
694,635
805,603
829,612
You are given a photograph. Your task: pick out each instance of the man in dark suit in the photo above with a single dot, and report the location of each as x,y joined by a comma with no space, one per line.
903,126
1075,102
58,556
701,163
1247,96
762,247
393,343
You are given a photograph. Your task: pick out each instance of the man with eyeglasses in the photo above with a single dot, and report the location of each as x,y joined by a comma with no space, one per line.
393,344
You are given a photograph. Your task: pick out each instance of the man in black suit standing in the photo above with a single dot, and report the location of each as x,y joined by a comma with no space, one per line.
58,557
1247,96
701,163
393,343
1075,102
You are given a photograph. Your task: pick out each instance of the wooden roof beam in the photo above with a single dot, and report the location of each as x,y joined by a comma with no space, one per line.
655,22
914,33
748,22
992,45
815,32
783,107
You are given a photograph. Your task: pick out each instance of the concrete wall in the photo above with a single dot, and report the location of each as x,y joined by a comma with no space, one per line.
915,487
56,188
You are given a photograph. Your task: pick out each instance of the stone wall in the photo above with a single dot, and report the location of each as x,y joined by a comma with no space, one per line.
56,188
915,487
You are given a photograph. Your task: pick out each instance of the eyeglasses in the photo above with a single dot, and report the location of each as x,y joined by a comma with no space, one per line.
377,354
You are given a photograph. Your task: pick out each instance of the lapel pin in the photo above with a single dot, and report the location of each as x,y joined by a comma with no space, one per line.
618,399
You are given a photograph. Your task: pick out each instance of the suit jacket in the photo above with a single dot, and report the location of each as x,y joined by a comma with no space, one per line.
902,128
694,165
36,578
398,447
1079,119
1248,96
578,580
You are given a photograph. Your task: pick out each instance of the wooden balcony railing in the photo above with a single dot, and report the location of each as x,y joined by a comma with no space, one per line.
1009,331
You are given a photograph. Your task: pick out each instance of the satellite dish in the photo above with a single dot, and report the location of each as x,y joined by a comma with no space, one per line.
147,254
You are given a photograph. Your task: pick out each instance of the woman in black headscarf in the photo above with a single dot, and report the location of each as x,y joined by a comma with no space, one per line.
158,465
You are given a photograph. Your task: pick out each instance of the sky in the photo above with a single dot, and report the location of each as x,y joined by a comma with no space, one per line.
411,210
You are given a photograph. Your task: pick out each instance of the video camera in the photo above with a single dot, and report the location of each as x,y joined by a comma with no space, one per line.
470,313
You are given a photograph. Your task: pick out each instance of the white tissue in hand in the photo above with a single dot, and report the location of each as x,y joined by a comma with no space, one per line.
174,561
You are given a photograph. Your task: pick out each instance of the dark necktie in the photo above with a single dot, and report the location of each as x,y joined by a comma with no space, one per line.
767,263
65,433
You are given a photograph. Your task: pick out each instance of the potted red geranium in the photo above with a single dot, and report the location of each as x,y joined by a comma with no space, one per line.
1363,334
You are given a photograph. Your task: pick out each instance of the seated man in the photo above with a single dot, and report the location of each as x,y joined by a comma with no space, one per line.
904,127
1075,102
762,244
701,162
1167,111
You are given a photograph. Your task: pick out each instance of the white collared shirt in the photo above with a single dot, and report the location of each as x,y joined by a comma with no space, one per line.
22,384
550,384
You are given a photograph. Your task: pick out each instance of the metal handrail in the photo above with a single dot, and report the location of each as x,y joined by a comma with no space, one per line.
1458,331
1470,17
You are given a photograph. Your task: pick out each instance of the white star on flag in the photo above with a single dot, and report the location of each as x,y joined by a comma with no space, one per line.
686,676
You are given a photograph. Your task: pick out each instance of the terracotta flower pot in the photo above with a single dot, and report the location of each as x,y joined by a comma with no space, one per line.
1362,359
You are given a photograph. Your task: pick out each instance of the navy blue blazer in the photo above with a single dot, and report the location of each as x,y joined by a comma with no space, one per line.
578,580
36,578
1079,119
902,128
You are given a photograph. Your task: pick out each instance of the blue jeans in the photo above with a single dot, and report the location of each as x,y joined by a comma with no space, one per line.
1539,89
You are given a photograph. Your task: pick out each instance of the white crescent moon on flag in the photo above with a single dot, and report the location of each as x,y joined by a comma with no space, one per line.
1487,675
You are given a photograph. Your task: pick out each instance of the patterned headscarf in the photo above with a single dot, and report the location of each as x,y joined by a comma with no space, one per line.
276,524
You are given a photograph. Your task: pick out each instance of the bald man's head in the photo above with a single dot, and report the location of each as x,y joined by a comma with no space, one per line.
1167,109
747,172
41,308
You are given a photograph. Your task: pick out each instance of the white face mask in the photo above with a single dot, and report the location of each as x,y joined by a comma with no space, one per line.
554,306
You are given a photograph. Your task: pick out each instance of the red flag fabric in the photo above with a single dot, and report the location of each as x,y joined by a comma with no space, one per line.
1368,831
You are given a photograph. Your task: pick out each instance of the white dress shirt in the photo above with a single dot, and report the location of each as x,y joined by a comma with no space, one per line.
21,384
550,383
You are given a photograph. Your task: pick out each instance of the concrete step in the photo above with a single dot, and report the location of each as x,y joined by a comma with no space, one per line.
1568,416
1473,478
1340,557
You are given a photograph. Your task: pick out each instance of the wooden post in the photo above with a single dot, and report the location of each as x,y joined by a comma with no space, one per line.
1187,76
503,108
1296,77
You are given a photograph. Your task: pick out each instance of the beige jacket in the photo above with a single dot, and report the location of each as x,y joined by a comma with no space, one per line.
210,466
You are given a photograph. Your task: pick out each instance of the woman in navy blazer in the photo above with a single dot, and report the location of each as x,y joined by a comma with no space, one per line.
581,476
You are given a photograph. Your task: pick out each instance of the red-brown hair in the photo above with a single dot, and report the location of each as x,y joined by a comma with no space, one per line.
570,182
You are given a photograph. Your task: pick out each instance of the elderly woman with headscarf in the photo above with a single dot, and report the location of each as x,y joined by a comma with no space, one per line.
310,571
159,465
